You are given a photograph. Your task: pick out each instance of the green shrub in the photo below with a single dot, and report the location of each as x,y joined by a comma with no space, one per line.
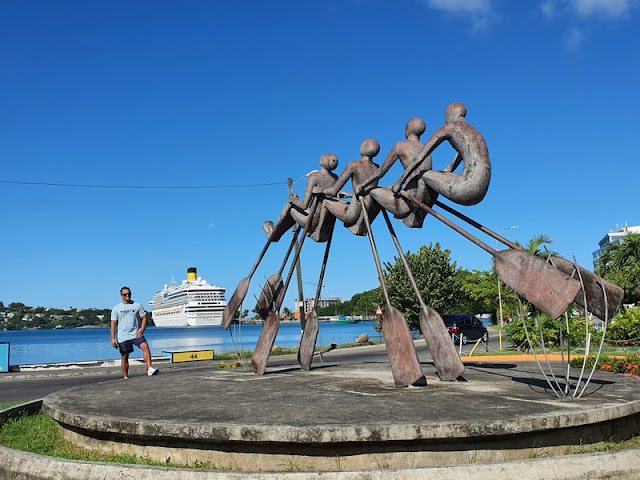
625,326
552,331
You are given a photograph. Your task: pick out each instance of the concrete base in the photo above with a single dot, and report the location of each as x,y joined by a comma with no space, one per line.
346,417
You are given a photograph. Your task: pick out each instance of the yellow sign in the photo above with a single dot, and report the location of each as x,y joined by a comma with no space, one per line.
192,356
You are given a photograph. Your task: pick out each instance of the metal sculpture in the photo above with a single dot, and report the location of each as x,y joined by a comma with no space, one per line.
294,211
552,286
471,186
407,152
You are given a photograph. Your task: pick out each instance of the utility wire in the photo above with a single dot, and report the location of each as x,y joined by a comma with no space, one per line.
147,187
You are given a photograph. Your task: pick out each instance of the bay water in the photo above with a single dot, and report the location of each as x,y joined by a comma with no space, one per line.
29,347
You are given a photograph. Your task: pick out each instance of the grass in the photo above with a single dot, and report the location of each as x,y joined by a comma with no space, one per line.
6,405
41,435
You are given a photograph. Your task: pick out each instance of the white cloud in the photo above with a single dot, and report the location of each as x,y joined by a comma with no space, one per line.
573,39
479,12
588,8
610,8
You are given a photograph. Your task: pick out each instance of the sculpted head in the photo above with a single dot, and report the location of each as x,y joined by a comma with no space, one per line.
329,161
370,148
455,111
415,126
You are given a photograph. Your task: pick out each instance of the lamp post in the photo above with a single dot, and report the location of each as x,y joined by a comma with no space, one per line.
291,183
499,288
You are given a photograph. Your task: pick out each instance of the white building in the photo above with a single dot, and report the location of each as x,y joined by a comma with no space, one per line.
613,237
322,303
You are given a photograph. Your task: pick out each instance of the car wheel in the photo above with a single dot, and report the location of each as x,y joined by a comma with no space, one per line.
485,337
465,339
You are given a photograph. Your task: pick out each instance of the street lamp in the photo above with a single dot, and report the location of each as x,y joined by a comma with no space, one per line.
291,183
499,289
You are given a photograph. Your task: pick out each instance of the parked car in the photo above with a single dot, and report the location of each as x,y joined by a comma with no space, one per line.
465,327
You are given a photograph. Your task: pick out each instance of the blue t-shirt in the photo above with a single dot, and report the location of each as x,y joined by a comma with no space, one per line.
128,316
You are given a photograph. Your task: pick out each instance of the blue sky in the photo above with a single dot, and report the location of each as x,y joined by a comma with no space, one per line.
231,98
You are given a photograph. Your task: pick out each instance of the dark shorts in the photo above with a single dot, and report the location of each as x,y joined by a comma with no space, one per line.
126,347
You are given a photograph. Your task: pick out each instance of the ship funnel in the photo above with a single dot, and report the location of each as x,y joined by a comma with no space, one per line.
191,273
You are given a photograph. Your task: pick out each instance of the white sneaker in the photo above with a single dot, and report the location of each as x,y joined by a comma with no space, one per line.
152,371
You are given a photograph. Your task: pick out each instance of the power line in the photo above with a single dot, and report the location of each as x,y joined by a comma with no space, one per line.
147,187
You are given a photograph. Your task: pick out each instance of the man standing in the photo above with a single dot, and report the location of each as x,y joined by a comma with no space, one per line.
130,320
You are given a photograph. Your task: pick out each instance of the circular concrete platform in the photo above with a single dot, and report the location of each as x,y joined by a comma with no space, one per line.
343,417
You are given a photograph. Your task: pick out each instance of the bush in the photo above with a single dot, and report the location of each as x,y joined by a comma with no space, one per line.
628,365
552,332
625,325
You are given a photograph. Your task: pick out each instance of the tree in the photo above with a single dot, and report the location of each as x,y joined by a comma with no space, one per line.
536,246
620,264
480,295
437,279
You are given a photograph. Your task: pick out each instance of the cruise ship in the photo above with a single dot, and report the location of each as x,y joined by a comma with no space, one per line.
193,303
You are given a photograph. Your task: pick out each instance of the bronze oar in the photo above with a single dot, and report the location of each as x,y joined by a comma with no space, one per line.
594,286
310,333
448,364
549,289
241,290
405,366
274,284
271,325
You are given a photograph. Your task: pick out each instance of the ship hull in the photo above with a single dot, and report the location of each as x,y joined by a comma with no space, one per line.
194,303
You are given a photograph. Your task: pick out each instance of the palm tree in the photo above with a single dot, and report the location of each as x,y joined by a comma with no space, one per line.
620,263
536,246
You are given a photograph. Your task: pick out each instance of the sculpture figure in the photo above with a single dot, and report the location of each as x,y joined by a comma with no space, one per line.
297,211
471,186
358,171
405,151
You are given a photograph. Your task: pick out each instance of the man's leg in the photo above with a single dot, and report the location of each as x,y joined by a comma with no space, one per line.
146,354
124,363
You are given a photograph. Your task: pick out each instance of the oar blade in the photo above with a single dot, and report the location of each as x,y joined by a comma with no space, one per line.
405,366
234,302
549,289
448,364
269,293
308,341
593,289
268,335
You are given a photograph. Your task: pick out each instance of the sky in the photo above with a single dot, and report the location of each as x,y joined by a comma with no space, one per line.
140,138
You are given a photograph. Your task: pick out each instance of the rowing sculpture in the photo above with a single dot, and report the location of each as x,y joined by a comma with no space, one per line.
550,286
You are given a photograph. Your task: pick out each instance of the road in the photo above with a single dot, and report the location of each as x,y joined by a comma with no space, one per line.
32,385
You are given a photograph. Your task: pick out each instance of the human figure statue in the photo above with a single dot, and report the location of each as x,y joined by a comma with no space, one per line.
405,151
358,171
297,211
467,188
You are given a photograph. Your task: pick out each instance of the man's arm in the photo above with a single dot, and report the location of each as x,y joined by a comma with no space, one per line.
114,342
143,325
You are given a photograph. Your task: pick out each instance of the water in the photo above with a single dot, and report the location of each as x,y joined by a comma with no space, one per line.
30,347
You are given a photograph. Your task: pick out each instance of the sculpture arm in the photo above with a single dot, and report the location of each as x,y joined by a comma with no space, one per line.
380,172
437,138
341,182
454,163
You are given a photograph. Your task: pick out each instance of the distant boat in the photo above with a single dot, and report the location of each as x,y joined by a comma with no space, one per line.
345,319
193,303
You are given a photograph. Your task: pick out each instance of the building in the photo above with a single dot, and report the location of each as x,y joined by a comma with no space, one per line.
613,237
322,303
